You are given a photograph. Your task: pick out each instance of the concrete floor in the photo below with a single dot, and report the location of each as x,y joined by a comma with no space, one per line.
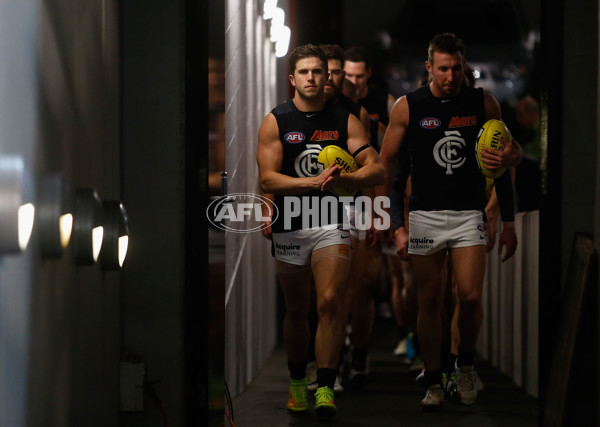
391,399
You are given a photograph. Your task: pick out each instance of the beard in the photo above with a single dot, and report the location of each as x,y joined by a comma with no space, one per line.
333,93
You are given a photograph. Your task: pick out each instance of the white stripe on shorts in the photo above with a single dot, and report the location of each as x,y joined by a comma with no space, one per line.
296,247
432,231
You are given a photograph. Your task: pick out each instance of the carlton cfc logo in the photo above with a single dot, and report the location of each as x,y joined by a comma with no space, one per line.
430,123
448,152
294,137
306,163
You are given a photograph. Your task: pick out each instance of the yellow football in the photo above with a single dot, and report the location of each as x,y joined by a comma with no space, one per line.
493,135
334,154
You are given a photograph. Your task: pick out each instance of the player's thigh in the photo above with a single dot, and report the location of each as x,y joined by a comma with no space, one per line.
366,263
296,285
331,269
427,271
402,269
468,267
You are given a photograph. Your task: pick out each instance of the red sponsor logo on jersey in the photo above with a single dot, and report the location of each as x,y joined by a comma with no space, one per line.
457,122
325,135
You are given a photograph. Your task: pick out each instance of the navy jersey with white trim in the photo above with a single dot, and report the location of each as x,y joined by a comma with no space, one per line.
347,104
442,134
303,136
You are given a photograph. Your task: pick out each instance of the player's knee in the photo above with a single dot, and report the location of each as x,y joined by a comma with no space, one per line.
469,301
328,305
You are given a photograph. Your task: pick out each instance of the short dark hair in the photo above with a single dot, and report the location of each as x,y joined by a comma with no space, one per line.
306,51
445,43
358,54
333,51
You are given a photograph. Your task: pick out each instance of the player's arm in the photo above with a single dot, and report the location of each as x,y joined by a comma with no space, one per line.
364,119
508,237
269,156
267,209
391,101
392,141
399,192
492,212
503,185
512,153
390,150
370,172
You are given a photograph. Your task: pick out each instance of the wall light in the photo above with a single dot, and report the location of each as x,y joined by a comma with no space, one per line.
277,23
16,215
116,236
268,8
87,226
280,34
54,216
283,43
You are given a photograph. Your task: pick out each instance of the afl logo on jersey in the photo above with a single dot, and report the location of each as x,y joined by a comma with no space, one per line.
306,164
430,123
294,137
449,152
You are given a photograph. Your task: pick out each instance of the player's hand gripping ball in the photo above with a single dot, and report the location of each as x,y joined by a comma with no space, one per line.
493,135
334,154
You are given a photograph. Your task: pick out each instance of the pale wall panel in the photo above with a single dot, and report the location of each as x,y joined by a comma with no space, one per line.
250,277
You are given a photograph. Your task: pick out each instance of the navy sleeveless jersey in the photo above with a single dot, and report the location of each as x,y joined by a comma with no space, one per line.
303,135
347,104
376,104
442,134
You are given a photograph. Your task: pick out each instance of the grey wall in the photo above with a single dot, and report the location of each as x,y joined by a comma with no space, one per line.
64,328
18,128
250,287
60,324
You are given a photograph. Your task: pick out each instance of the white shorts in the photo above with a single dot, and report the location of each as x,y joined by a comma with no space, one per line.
432,231
352,211
296,247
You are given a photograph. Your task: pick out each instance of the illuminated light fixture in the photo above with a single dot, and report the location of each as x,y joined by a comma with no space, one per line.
16,215
87,226
283,43
116,236
26,214
54,216
277,23
268,8
280,33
